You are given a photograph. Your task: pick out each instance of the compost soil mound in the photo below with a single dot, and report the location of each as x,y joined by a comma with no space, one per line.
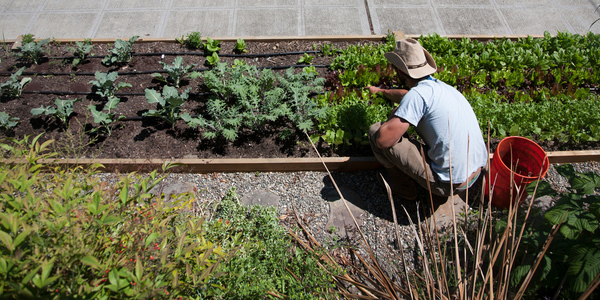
152,137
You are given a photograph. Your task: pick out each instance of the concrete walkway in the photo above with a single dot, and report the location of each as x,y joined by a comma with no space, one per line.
244,18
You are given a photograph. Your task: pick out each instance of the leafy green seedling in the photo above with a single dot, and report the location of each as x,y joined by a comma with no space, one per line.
62,111
238,63
213,59
33,51
27,38
106,117
310,70
176,72
240,46
14,87
121,52
81,52
170,103
327,49
211,45
306,59
6,121
193,40
105,84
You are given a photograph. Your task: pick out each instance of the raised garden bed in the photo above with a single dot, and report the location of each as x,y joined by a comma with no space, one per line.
139,136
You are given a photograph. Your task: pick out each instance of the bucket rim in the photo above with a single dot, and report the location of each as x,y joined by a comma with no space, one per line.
545,163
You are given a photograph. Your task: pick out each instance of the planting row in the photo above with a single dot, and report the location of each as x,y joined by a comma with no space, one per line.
541,88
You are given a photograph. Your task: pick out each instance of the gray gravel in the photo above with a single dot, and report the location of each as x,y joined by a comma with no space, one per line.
309,193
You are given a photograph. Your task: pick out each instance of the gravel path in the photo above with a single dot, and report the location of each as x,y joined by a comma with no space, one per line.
311,193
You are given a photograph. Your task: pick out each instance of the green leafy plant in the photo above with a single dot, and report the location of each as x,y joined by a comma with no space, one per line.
106,117
33,51
212,46
175,72
169,103
27,38
14,87
245,96
99,241
121,52
7,122
268,262
62,110
124,240
192,40
213,59
81,51
573,259
327,49
105,84
240,46
306,59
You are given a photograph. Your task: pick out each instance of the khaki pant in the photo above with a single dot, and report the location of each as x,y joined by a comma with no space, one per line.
406,156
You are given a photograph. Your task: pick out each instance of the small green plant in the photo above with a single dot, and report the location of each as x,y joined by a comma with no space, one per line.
306,59
81,51
105,84
240,46
121,52
13,88
27,38
106,117
62,110
169,103
33,51
175,72
193,40
327,49
213,59
7,122
212,46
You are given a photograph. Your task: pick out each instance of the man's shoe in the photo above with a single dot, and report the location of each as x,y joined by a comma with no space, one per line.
402,187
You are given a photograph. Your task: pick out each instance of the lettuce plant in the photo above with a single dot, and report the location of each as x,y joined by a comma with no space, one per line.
306,59
213,59
212,46
240,46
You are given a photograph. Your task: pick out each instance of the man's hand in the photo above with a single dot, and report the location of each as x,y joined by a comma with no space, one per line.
374,89
394,95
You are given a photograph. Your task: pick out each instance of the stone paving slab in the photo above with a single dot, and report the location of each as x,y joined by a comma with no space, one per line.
238,18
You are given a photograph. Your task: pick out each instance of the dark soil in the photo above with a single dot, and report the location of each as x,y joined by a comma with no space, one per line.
150,137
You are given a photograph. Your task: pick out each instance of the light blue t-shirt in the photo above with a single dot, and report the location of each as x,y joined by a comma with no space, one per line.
443,118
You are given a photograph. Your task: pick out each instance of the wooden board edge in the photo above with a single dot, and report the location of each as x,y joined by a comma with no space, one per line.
270,164
316,38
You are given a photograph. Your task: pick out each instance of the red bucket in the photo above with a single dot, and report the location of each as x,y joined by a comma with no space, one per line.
527,162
